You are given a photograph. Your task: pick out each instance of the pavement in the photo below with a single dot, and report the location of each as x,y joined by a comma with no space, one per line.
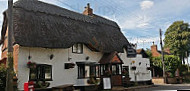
164,87
120,88
156,87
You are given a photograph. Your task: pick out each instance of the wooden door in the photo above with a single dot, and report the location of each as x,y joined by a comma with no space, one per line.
116,80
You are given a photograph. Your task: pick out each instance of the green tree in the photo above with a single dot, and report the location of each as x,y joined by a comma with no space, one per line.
149,53
171,63
177,38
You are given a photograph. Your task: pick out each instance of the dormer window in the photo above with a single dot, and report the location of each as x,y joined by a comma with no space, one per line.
77,48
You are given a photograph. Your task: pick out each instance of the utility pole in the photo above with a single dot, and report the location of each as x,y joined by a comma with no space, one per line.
9,63
164,75
187,55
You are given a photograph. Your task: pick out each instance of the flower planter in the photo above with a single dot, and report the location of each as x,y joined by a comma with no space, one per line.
41,84
126,82
172,80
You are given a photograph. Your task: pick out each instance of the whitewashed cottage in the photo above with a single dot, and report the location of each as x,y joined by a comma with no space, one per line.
139,67
63,46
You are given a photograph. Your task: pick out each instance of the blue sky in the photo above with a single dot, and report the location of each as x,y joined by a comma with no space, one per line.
139,20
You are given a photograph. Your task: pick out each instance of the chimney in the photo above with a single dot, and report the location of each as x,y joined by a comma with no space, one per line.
154,51
167,50
88,10
154,48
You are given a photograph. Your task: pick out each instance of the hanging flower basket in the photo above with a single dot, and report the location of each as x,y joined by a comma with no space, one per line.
31,64
69,65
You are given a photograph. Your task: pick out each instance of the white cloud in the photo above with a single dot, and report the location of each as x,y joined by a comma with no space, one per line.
144,39
146,4
143,25
136,22
145,42
154,15
50,1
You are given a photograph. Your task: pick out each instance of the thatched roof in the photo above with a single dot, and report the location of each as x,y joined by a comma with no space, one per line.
38,24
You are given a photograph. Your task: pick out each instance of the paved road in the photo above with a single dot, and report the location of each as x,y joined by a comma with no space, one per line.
166,87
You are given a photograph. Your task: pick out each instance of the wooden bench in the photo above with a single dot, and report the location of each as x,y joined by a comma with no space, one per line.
67,87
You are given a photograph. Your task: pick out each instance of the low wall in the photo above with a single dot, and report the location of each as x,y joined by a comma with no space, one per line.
158,80
171,80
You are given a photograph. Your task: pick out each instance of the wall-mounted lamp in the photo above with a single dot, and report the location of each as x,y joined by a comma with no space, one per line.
51,56
139,63
69,59
87,57
29,57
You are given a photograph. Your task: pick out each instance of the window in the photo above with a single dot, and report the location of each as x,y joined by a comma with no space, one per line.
125,71
97,71
77,48
104,69
42,72
86,70
81,71
116,69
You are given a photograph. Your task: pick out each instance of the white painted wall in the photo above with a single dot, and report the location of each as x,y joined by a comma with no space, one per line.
142,74
60,75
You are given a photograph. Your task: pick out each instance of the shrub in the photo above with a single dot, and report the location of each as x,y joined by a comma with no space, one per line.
2,77
171,63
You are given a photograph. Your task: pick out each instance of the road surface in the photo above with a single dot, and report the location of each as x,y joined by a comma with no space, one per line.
167,87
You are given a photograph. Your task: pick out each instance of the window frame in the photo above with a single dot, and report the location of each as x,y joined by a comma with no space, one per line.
104,68
91,67
118,70
77,48
39,76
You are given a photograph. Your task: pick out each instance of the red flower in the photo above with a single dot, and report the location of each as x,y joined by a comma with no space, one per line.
29,62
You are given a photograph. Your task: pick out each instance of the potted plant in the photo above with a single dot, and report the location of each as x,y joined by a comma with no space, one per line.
42,84
125,73
94,81
126,79
31,64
